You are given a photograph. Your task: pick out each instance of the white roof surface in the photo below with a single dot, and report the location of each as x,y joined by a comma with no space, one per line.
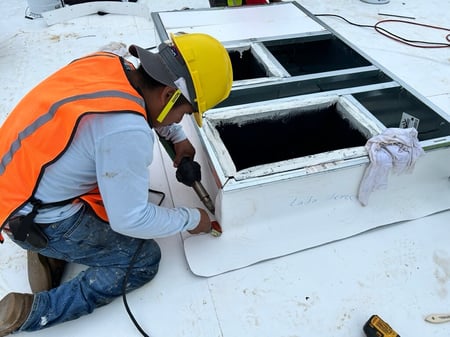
400,272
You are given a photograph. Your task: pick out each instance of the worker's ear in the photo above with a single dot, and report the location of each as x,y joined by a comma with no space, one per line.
166,94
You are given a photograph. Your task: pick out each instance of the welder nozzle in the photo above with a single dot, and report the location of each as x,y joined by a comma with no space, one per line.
204,196
216,229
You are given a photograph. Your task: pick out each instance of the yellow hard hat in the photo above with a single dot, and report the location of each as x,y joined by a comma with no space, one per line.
210,68
196,64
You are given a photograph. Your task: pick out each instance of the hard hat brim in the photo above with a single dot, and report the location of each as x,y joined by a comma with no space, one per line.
198,118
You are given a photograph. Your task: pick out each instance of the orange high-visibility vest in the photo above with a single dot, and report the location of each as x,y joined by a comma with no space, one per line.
41,127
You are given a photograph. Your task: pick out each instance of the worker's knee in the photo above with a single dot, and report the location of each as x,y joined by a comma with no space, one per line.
146,263
150,253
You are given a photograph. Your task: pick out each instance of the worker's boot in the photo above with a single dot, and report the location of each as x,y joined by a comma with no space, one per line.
14,311
44,273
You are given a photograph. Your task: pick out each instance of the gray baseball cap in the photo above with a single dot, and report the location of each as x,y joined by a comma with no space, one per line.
168,67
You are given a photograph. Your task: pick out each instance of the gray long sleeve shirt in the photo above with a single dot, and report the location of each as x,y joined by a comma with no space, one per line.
113,151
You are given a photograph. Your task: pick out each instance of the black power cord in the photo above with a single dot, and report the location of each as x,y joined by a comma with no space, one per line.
398,38
124,286
125,280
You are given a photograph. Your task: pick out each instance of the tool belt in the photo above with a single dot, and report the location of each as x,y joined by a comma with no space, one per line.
23,228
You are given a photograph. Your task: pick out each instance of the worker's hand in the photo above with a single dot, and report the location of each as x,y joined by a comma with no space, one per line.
188,172
204,225
183,149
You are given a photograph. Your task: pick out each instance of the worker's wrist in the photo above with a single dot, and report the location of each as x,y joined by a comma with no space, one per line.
193,218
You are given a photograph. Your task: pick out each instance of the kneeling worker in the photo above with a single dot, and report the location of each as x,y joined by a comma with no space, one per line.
74,157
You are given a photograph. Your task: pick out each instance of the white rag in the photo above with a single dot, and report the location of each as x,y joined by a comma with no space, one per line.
396,149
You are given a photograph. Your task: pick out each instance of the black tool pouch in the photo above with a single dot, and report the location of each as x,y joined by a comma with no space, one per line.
26,230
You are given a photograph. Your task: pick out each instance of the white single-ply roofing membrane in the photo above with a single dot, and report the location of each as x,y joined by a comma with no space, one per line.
400,271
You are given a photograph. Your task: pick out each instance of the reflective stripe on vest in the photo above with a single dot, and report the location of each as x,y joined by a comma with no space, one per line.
41,127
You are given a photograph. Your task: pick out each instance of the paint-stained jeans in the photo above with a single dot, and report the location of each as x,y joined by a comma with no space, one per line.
85,239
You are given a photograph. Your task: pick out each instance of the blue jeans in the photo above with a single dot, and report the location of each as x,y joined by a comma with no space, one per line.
85,239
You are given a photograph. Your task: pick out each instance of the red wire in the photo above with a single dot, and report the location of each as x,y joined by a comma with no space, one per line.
419,44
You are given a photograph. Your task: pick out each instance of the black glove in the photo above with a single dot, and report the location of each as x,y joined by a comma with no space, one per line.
188,172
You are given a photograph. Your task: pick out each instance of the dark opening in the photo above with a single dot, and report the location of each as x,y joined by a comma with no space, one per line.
286,137
388,105
285,89
245,65
302,57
